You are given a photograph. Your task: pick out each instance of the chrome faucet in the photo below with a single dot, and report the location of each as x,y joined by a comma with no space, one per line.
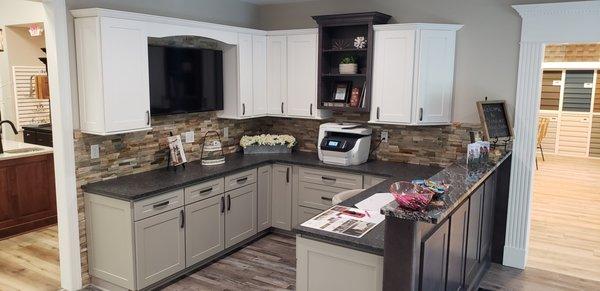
14,128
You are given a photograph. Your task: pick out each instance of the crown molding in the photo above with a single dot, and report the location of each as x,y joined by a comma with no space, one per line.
556,9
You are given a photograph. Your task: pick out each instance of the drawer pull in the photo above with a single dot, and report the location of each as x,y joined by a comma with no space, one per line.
242,180
182,215
326,198
159,205
228,202
222,204
328,179
206,190
287,175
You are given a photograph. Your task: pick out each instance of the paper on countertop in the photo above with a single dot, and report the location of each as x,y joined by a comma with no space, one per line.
337,221
375,202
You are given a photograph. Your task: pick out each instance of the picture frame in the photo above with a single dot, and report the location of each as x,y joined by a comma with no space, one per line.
341,91
177,155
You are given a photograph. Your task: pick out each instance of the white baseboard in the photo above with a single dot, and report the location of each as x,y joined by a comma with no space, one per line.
513,257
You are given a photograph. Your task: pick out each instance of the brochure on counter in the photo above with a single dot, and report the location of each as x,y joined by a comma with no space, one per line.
346,220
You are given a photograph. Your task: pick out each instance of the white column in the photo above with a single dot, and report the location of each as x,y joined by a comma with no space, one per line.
64,152
524,151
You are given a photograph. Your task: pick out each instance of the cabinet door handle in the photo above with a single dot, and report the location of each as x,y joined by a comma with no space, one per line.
421,114
159,205
228,202
182,215
242,180
377,112
147,117
326,198
287,175
206,190
328,178
243,108
281,107
311,106
222,204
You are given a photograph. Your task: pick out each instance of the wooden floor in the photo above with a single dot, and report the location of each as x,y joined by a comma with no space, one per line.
30,261
505,278
267,264
565,219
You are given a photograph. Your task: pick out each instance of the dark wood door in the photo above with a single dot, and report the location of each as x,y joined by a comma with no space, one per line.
27,194
487,226
457,247
474,235
433,266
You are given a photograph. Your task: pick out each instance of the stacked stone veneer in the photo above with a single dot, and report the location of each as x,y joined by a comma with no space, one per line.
589,52
131,153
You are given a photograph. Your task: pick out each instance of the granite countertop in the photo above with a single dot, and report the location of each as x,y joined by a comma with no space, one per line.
148,184
462,180
16,150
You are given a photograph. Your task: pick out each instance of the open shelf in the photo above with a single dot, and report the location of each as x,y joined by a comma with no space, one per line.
336,42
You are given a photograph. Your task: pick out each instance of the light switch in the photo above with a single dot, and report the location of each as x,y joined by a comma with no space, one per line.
226,133
95,151
384,136
189,136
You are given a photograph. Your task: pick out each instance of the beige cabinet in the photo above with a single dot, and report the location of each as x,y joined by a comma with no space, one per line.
323,266
205,229
240,217
281,207
159,247
263,185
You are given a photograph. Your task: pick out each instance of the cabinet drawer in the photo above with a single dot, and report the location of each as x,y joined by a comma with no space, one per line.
305,213
159,204
331,178
316,196
204,190
240,179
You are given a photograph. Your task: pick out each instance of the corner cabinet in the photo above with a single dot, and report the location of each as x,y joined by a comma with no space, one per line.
413,73
112,74
292,74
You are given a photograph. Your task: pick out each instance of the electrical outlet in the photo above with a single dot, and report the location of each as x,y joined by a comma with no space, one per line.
189,136
95,151
226,133
384,136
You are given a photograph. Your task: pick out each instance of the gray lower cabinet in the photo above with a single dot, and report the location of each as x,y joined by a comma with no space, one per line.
487,224
435,254
474,236
281,207
240,215
264,198
205,229
159,246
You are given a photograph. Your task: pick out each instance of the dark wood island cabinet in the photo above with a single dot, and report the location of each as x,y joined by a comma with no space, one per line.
27,194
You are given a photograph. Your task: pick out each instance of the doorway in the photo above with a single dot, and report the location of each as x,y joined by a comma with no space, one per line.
28,217
565,217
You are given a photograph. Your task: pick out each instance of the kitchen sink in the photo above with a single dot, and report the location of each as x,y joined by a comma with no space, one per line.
22,150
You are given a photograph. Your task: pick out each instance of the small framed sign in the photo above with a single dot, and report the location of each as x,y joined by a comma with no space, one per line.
495,121
341,91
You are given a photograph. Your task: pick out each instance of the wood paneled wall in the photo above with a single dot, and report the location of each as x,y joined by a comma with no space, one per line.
550,93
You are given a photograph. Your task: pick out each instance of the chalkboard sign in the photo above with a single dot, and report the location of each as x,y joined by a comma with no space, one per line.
494,119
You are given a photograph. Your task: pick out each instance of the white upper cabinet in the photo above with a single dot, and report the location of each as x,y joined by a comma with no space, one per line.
302,75
259,74
112,57
276,74
413,73
245,93
292,74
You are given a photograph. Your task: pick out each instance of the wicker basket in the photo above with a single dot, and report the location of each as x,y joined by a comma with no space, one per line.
265,149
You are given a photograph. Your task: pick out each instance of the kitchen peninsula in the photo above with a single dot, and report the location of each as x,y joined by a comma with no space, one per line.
251,206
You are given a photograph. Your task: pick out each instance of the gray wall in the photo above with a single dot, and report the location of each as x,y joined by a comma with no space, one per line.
228,12
487,45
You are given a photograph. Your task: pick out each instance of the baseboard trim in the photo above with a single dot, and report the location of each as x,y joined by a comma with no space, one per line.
513,257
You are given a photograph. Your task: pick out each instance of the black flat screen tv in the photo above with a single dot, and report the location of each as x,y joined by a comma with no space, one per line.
184,80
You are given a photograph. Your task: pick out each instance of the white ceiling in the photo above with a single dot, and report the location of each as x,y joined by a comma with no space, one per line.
265,2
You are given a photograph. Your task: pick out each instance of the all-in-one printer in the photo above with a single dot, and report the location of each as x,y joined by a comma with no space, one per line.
344,143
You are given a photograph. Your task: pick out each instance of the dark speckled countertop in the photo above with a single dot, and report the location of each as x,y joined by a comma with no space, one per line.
145,185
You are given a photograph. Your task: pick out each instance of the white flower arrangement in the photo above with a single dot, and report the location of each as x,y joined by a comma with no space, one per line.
268,139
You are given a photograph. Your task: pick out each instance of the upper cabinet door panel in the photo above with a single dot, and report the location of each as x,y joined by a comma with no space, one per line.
259,74
393,76
276,74
302,75
125,73
245,56
435,76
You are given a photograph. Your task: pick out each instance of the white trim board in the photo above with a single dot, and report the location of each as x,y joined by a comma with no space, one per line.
570,22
